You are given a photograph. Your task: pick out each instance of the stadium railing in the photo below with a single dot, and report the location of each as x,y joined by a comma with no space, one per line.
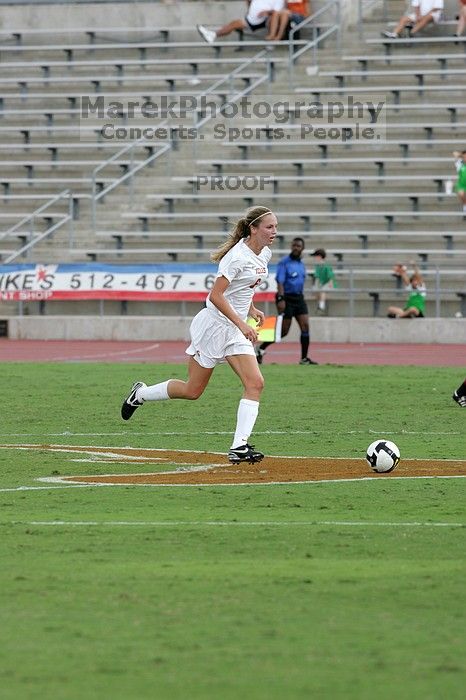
26,230
352,293
100,186
201,121
296,50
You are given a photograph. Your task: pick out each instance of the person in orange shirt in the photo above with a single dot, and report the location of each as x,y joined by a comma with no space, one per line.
294,13
461,18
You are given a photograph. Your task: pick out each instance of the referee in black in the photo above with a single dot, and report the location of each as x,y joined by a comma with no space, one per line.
291,276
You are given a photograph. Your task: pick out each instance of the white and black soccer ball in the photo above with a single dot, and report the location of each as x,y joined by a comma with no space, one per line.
383,456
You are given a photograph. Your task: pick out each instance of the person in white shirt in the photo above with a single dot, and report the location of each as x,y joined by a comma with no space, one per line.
423,13
220,331
258,15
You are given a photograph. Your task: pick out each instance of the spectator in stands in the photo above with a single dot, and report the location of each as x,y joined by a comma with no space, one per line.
460,187
461,18
291,275
292,15
460,395
424,12
324,279
260,14
220,332
416,302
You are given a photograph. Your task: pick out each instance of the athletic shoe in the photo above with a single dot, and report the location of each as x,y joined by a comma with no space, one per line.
260,356
389,35
460,400
307,361
244,453
130,404
207,34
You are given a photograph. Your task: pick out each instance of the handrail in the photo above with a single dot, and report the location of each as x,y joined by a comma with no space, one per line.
96,196
35,213
265,53
363,7
36,239
293,55
28,220
98,193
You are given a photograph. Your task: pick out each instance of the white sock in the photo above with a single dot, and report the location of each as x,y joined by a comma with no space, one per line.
246,417
464,208
321,305
156,392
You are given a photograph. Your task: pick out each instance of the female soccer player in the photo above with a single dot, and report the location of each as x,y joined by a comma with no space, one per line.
220,332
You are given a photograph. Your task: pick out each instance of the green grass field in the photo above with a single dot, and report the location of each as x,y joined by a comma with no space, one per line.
248,592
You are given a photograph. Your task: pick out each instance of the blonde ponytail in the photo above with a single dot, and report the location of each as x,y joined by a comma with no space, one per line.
241,230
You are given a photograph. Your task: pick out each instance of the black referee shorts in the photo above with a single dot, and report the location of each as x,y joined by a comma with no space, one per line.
295,305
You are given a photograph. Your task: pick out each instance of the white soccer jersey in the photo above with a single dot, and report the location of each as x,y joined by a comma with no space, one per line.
245,271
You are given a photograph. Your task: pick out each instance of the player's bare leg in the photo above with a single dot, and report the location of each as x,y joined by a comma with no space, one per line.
193,388
423,22
198,378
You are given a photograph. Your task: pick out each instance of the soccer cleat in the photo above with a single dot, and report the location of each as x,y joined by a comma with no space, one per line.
207,34
389,35
244,453
460,400
260,356
131,403
307,361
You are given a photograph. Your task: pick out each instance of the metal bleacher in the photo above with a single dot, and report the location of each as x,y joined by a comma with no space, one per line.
369,203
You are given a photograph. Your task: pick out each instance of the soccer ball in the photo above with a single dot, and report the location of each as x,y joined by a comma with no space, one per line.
383,456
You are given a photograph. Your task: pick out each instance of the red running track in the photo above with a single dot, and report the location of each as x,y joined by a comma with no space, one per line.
282,353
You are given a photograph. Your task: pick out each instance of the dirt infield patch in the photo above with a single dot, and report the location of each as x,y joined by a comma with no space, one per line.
182,467
281,470
204,468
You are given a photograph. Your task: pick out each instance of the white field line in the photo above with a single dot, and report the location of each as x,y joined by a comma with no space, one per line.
48,488
62,482
93,356
175,433
57,482
227,523
113,452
